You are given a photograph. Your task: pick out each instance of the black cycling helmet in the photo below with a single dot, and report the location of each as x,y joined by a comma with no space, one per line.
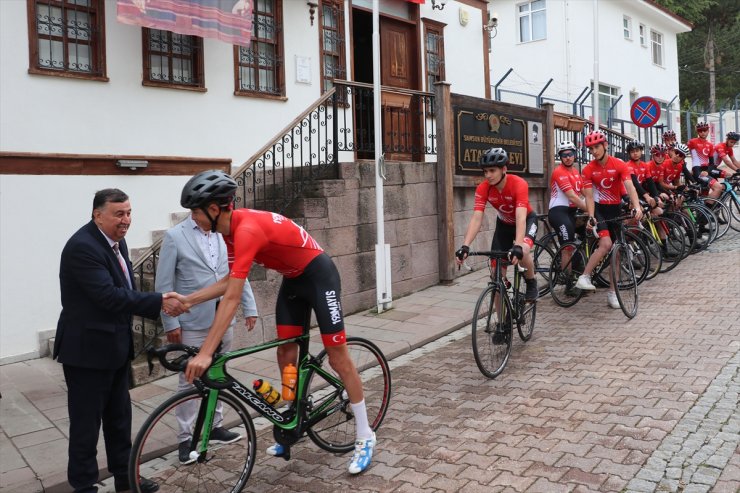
206,187
634,144
733,136
495,156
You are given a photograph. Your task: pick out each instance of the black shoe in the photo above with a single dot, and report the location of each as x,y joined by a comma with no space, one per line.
532,292
222,435
183,452
145,485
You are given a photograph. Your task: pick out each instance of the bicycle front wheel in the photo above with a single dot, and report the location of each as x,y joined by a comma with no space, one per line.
492,331
223,467
542,255
722,213
336,431
623,279
733,205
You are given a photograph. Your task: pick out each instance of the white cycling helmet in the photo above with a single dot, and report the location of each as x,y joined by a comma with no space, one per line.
566,145
682,149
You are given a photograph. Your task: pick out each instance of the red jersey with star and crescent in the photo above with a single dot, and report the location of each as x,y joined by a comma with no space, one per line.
722,150
564,178
653,170
607,181
701,149
638,169
671,170
268,239
514,194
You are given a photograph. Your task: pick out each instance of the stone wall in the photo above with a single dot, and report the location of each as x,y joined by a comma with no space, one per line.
340,215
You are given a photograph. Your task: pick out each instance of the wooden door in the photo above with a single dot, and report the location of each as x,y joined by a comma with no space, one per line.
399,69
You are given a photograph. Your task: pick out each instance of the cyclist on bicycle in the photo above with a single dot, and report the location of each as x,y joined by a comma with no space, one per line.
310,281
668,171
605,179
702,162
566,196
516,222
724,154
641,177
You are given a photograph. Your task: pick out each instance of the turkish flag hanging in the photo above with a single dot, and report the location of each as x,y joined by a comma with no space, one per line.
420,2
227,20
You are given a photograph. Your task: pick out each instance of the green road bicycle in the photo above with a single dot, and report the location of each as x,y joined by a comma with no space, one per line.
321,410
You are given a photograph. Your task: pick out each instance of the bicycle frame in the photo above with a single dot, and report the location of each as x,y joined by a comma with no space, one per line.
217,379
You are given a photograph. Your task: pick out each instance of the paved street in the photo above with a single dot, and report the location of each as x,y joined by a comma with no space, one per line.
593,402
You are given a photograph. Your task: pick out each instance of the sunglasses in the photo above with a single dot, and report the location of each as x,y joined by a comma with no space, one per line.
567,154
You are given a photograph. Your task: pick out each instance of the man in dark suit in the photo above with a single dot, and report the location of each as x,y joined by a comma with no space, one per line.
94,341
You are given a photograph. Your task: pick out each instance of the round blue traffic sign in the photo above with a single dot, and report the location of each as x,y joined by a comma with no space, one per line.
645,112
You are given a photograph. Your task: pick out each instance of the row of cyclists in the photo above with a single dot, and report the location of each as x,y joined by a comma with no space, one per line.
599,191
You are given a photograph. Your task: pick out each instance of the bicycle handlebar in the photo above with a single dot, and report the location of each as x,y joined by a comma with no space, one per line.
180,363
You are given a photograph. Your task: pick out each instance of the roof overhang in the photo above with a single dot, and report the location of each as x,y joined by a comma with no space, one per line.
682,25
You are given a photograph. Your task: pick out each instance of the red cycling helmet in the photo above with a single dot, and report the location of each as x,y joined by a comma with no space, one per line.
669,134
595,137
702,126
658,149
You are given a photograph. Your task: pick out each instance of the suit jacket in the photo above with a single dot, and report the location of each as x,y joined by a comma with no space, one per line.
183,268
94,328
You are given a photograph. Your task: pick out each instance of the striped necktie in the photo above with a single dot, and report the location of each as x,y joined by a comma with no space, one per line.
121,262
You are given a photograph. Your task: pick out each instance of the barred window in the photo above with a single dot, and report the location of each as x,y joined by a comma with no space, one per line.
333,59
435,53
259,67
67,37
172,60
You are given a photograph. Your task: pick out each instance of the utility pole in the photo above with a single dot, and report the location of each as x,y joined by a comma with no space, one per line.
709,64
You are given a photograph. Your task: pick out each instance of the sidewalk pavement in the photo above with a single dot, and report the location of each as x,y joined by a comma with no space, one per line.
34,423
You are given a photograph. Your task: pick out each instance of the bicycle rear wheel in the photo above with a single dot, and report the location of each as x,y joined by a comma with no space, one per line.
223,467
652,249
564,275
722,213
673,242
688,230
492,331
623,279
336,431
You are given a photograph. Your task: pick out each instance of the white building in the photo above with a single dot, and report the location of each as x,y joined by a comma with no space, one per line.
72,105
554,39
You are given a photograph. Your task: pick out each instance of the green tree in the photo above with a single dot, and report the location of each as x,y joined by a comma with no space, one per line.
708,58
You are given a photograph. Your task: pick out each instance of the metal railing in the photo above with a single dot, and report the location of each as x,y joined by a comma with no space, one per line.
307,150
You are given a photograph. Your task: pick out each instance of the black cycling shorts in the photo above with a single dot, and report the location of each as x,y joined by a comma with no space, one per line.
604,212
319,288
505,234
563,220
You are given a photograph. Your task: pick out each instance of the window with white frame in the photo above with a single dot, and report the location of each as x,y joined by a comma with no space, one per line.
608,95
643,35
627,26
656,42
532,21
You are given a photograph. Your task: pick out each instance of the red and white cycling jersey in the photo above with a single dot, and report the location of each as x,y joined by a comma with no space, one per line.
514,194
671,171
701,150
607,181
268,239
722,150
564,178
